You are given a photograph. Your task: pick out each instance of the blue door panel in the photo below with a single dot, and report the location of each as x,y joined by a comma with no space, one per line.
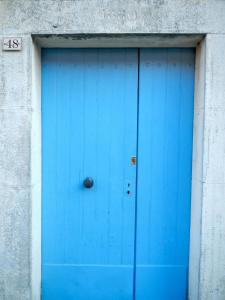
161,282
164,172
100,107
89,117
72,282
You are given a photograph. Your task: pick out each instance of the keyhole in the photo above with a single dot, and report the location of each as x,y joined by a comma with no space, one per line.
128,190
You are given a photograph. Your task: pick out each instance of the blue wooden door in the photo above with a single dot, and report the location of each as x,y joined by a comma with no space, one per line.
127,237
89,121
164,173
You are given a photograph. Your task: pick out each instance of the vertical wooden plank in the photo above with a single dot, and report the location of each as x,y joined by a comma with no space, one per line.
164,172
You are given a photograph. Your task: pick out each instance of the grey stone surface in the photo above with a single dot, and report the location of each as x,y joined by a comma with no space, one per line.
14,243
15,78
212,267
168,16
23,18
197,172
15,147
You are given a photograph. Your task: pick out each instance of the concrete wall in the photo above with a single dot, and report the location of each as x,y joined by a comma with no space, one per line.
20,127
212,268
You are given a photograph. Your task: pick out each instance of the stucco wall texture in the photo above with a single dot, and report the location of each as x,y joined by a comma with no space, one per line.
24,18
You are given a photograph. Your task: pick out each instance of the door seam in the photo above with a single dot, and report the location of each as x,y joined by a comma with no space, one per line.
136,182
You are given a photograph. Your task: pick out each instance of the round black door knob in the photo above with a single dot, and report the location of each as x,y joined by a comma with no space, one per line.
88,182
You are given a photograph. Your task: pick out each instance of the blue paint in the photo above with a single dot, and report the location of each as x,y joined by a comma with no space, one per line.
164,173
91,123
89,111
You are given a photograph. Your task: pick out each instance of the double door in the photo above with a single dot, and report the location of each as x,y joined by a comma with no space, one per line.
116,173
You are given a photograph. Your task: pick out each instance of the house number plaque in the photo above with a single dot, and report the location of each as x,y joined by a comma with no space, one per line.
12,44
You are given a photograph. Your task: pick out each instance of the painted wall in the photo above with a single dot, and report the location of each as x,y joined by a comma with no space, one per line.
19,111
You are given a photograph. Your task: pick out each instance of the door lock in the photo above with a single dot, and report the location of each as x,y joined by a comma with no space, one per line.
133,160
